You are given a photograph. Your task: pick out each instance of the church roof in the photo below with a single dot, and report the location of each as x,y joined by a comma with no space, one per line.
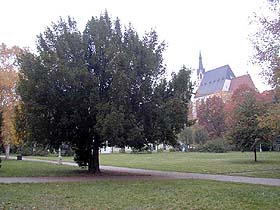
242,80
213,80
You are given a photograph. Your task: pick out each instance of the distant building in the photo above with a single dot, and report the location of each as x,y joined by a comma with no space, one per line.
219,82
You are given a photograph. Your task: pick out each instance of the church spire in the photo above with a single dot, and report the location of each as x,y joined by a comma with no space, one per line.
200,71
200,65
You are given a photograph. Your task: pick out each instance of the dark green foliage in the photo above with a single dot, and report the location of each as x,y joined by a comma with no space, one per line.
102,86
246,132
218,145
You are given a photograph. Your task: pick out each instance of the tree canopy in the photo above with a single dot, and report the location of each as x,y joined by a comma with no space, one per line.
210,114
246,132
103,86
8,96
266,41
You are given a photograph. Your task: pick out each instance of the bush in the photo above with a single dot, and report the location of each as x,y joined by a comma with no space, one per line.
219,145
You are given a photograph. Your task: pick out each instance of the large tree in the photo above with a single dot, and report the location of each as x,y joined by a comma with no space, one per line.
100,86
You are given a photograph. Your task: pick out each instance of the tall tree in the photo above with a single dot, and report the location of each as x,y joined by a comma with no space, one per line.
8,96
266,41
246,132
210,114
98,87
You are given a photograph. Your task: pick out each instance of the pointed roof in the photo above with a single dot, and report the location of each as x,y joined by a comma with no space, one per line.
213,81
200,65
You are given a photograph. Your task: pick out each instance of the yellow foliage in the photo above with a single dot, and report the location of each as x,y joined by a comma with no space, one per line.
8,96
271,120
8,129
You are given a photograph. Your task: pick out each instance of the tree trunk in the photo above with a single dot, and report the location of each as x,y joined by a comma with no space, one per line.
255,152
93,165
7,151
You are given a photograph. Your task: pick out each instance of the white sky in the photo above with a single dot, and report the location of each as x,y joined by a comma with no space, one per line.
219,28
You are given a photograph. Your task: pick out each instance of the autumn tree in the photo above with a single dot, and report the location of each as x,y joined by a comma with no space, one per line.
238,97
100,86
266,41
8,96
210,114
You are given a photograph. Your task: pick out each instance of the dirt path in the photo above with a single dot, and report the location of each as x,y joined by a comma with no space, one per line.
122,173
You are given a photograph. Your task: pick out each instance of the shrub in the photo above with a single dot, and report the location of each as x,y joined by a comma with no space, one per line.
218,145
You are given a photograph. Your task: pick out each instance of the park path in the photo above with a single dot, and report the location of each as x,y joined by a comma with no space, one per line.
122,173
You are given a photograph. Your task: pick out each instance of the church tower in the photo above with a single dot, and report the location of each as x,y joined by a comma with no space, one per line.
200,71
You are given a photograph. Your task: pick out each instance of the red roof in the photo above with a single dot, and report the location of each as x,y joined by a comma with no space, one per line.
242,80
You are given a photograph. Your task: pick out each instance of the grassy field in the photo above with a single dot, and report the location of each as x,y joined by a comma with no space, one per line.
127,194
13,168
232,163
164,194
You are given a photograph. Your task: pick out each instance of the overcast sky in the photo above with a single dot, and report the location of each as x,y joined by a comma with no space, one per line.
217,28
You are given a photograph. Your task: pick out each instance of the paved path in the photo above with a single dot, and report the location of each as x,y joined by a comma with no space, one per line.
122,173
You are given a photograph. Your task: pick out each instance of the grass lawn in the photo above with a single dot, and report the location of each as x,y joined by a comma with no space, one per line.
14,168
231,163
164,194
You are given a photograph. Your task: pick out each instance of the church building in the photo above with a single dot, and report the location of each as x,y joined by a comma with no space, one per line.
220,82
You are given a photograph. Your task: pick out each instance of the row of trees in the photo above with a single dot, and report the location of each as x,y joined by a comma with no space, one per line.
242,119
105,85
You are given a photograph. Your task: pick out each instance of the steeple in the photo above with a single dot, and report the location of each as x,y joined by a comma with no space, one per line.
200,65
200,71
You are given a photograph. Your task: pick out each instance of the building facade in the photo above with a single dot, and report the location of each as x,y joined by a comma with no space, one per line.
220,82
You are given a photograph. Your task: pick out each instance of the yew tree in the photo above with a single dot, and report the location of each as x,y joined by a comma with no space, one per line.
102,86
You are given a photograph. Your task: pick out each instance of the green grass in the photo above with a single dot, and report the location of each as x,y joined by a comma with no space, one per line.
13,168
164,194
232,163
55,158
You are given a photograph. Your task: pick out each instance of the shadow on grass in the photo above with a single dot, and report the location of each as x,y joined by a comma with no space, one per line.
252,162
